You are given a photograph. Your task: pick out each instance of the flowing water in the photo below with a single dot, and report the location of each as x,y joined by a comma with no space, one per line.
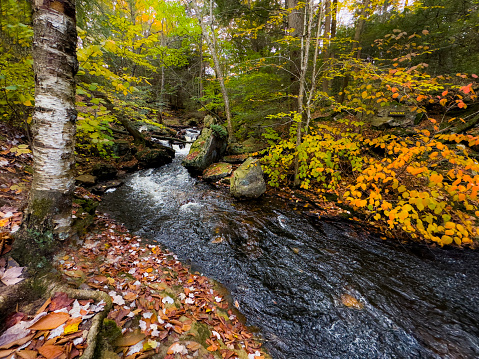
289,272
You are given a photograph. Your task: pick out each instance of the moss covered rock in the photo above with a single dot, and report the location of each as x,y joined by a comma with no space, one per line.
247,181
206,150
217,171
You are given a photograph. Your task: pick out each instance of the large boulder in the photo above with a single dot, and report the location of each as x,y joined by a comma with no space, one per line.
155,157
247,181
217,171
394,116
208,148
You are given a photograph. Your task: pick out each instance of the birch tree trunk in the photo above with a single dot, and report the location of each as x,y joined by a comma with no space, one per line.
54,120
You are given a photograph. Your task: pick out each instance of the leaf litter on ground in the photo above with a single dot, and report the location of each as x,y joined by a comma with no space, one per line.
58,329
160,306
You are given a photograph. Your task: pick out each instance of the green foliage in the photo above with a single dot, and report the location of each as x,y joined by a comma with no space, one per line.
219,131
16,72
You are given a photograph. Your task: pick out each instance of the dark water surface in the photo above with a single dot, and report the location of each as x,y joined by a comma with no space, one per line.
288,273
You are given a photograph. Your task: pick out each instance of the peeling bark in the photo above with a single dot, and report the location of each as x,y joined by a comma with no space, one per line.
54,119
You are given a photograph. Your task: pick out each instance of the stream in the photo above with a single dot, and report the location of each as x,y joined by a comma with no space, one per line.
288,272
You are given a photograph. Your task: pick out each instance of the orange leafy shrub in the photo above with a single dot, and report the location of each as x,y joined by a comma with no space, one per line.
425,185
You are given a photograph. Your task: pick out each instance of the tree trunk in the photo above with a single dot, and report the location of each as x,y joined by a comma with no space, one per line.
211,42
54,120
295,27
327,39
357,38
200,88
305,43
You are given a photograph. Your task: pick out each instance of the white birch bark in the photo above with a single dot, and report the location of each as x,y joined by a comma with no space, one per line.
54,120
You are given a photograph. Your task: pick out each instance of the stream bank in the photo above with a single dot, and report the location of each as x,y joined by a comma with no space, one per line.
314,287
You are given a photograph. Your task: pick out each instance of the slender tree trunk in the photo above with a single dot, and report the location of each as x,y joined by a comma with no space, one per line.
54,120
200,89
326,39
211,42
295,27
162,77
305,44
357,38
315,71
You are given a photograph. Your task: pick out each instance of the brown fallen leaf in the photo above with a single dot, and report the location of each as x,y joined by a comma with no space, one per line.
27,354
351,302
51,351
130,296
60,300
193,346
44,306
51,321
130,339
6,352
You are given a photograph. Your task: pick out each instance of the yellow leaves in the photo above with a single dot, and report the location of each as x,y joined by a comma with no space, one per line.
443,102
364,95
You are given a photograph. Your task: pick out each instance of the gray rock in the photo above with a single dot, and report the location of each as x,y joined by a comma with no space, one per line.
157,157
86,179
394,116
247,181
217,171
206,150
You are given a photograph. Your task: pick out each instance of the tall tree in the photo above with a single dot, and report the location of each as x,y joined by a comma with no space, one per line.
210,38
54,119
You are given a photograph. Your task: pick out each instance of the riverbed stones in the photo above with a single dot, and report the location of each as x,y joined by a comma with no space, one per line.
207,149
217,171
156,157
247,181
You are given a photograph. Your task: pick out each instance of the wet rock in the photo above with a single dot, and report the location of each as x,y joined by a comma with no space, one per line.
157,157
103,187
88,180
217,171
394,116
104,171
207,149
247,181
235,158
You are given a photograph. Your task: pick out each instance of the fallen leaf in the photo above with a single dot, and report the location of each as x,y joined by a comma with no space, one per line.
72,326
6,352
60,300
11,276
193,346
44,306
130,296
27,354
130,339
51,321
351,302
177,348
51,351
